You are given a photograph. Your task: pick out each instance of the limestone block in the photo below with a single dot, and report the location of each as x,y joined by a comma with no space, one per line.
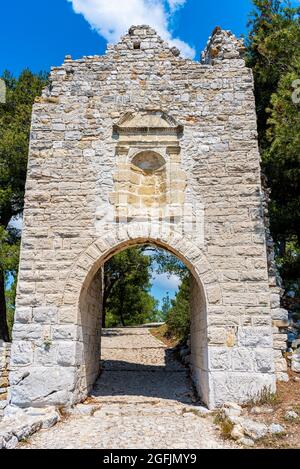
275,300
254,430
296,362
237,432
219,358
66,354
23,315
264,359
42,386
246,442
214,294
239,387
22,353
262,321
45,354
48,416
242,359
64,332
276,429
281,324
67,315
255,336
3,381
45,315
281,364
280,341
217,335
280,314
27,331
18,425
282,377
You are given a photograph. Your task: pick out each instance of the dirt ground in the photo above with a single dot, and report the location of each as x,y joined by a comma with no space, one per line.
161,333
287,398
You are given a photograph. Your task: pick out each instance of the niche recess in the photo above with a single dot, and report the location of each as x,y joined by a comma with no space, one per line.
148,164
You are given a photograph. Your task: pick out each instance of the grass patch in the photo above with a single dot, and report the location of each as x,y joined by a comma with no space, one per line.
163,334
224,424
296,409
274,441
24,441
194,411
264,397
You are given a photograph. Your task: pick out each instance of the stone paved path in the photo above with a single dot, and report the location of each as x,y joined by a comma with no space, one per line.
143,399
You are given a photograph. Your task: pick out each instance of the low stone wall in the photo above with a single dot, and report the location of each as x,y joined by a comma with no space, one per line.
4,370
279,315
296,361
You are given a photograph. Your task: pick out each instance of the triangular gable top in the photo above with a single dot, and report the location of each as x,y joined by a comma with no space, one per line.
146,121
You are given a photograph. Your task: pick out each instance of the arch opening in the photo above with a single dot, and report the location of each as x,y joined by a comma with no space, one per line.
91,338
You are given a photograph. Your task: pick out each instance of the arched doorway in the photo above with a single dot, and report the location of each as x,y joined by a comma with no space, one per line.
89,312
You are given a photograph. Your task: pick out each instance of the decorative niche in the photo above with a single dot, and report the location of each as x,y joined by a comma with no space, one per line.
148,171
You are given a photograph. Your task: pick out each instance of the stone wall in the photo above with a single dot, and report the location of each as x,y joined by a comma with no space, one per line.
280,320
89,344
4,371
198,340
98,114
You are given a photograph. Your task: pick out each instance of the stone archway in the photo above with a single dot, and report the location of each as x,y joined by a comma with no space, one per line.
82,294
85,134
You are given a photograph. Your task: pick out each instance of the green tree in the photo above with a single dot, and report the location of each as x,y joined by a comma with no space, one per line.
166,306
176,313
274,55
127,300
272,45
15,118
9,259
178,318
168,263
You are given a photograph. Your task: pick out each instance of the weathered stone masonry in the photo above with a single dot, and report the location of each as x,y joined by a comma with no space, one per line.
4,370
143,125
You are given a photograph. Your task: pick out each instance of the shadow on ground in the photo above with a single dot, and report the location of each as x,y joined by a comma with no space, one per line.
120,378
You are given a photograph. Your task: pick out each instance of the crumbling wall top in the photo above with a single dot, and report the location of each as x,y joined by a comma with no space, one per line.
222,46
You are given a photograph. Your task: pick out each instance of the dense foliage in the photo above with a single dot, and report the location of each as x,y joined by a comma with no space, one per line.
274,55
175,312
15,117
127,280
178,316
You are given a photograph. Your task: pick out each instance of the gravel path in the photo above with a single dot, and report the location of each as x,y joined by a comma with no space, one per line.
143,399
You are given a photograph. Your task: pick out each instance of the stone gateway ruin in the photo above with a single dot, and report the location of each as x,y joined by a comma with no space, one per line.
143,146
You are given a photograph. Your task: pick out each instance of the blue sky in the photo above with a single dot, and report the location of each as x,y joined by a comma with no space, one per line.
163,284
38,34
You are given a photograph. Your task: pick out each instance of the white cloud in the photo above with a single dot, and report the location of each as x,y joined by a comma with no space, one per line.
112,18
175,4
166,281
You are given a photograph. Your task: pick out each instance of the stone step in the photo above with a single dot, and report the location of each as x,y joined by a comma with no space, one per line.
124,343
119,358
127,407
127,410
138,367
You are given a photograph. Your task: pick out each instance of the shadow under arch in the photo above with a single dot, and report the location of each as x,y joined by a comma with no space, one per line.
84,289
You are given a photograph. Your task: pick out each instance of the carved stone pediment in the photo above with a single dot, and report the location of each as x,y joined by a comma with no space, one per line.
148,122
